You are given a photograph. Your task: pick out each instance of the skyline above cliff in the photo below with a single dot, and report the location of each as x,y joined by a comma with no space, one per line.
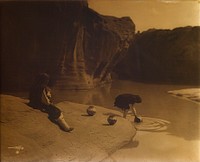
163,14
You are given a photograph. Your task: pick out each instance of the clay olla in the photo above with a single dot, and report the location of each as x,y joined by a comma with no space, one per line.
112,120
138,119
91,110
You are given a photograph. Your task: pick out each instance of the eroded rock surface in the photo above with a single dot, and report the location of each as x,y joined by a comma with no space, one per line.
170,56
74,44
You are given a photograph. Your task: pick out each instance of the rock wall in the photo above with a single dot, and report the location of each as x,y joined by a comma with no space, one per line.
75,45
163,56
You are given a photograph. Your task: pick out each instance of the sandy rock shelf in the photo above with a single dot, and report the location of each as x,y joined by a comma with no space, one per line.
92,139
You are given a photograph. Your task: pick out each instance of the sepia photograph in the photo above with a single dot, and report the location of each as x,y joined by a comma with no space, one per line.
100,80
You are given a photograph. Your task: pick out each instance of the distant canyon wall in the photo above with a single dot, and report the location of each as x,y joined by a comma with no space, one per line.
163,56
74,44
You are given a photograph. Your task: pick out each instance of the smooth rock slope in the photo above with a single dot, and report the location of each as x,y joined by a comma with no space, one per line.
92,139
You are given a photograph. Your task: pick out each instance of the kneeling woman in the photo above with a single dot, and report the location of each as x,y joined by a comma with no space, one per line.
40,98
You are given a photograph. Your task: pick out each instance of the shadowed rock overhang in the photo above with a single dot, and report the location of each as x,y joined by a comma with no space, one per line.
74,44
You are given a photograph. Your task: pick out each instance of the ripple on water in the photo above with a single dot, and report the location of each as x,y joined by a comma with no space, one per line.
152,124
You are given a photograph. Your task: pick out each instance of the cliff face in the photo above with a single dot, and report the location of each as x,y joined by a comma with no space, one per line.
170,56
74,44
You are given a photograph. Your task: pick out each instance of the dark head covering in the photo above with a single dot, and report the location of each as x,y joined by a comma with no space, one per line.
123,100
42,79
37,88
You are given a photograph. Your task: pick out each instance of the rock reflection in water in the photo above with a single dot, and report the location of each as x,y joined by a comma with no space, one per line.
98,96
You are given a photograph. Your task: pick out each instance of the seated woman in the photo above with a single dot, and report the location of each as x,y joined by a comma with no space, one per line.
40,98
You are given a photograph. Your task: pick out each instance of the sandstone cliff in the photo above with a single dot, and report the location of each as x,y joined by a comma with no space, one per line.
75,45
170,56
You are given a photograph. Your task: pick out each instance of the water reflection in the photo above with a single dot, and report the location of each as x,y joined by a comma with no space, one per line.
156,103
98,96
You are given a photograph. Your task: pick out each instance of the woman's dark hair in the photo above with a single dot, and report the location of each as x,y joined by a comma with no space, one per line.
35,93
42,79
123,100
